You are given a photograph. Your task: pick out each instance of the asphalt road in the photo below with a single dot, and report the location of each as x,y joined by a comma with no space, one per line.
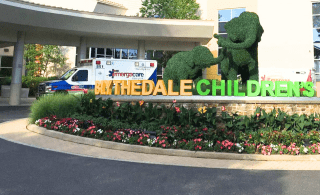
29,170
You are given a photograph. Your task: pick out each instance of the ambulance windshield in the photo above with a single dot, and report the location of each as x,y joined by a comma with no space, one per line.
66,75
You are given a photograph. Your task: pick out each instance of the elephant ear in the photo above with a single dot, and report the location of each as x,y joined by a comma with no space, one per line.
202,56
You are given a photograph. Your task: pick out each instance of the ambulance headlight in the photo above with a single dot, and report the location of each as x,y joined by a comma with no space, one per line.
108,62
48,88
136,63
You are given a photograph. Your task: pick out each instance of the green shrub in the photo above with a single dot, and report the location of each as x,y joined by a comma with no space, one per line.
61,105
32,83
28,82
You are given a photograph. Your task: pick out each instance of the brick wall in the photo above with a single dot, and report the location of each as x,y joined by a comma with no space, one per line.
232,106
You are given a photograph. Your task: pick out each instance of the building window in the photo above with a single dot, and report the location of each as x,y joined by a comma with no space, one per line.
113,53
225,16
316,38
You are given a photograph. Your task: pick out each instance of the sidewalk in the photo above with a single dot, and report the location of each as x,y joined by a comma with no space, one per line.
23,101
17,132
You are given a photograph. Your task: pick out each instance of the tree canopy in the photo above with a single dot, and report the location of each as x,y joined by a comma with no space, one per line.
170,9
38,57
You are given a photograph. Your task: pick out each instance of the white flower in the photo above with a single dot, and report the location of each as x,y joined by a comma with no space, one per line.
305,150
151,141
238,145
100,131
47,121
175,142
210,144
37,122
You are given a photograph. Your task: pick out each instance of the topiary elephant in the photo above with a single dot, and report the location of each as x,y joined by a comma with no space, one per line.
241,47
189,65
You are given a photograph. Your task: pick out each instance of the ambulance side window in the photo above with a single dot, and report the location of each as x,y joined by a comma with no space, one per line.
81,75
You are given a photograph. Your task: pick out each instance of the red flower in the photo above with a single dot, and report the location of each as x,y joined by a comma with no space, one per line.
218,142
205,129
164,145
177,109
261,134
250,136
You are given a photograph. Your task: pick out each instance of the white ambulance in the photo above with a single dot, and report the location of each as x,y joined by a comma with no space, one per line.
82,78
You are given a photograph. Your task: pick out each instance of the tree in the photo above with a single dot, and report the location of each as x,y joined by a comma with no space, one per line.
38,57
170,9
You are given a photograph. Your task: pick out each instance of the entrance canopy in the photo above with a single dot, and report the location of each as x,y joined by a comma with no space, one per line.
57,26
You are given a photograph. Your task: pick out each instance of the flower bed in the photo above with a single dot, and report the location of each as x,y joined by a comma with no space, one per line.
192,138
178,127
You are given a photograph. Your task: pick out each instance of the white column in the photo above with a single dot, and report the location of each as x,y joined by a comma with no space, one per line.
15,87
81,51
141,49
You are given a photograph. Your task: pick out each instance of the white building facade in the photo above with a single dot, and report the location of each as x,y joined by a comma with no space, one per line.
289,48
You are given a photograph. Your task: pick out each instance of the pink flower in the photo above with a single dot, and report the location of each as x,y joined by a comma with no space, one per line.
205,129
174,101
261,134
164,145
250,136
118,104
177,109
258,114
281,152
141,102
218,142
223,108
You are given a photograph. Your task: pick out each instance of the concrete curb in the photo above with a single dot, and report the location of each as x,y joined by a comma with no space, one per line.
169,152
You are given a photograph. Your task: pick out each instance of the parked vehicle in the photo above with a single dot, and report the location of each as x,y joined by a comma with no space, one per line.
82,78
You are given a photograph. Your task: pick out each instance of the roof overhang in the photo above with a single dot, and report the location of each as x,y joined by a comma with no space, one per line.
45,24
